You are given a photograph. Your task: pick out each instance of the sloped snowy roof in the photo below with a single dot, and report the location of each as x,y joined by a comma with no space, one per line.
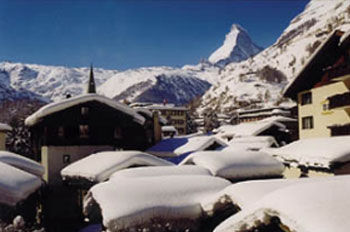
160,171
149,114
238,164
22,163
243,194
184,144
251,143
279,119
169,128
315,152
100,166
247,129
5,127
16,185
131,202
67,103
320,206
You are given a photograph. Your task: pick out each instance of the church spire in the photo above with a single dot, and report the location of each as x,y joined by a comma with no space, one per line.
91,84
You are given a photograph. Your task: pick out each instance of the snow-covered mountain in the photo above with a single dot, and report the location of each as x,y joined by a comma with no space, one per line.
227,81
49,82
154,84
237,46
259,81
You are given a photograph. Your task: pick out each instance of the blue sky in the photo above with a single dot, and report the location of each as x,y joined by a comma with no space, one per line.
122,34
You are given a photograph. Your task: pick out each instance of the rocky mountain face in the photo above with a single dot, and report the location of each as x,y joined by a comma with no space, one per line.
237,47
260,80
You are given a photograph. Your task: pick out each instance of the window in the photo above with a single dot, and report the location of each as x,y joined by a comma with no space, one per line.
84,111
307,122
84,131
60,132
66,159
325,107
306,98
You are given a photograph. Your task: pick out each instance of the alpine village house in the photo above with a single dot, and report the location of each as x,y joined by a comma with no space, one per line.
321,89
66,131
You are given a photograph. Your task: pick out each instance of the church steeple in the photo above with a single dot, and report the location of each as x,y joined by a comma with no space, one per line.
91,84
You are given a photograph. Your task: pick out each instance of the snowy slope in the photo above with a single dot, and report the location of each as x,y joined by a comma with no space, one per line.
237,47
152,84
50,82
261,79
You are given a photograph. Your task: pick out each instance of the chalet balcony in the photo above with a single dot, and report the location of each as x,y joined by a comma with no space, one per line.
339,100
339,71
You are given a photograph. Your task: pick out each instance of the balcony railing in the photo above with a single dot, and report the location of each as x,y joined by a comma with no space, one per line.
339,100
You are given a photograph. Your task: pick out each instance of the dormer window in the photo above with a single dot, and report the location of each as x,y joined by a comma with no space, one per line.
306,98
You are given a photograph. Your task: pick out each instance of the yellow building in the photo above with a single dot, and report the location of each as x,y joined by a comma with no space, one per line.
4,128
322,90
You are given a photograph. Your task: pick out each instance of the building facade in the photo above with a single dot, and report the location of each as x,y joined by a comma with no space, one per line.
322,90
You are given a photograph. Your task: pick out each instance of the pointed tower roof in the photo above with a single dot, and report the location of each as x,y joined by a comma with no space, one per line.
91,84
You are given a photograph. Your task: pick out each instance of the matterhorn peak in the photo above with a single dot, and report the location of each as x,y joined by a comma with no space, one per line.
237,47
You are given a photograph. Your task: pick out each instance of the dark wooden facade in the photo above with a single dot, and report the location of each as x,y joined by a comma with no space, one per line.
90,123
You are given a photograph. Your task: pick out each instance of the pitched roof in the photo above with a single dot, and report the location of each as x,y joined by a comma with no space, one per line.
70,102
311,73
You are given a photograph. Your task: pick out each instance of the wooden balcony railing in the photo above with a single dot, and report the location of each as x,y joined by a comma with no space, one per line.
339,100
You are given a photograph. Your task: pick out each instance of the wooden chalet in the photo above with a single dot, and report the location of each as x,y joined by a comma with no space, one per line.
322,89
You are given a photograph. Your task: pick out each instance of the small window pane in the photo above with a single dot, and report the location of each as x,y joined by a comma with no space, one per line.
306,98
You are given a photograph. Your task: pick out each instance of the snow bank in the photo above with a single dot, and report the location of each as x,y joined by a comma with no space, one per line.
5,127
320,206
160,171
22,163
315,152
236,164
136,203
98,167
176,146
251,143
247,129
16,185
67,103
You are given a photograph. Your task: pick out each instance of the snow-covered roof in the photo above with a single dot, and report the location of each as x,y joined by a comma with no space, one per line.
315,152
160,171
22,163
240,164
67,103
168,129
251,143
184,144
5,127
141,110
16,185
247,129
130,203
100,166
165,107
321,206
279,119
